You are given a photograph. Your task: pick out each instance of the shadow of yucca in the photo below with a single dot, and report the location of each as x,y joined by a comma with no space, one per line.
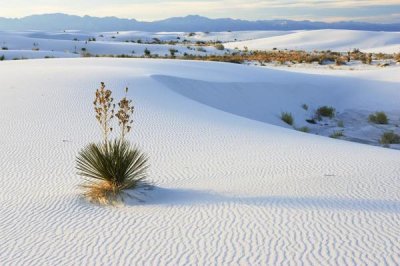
167,196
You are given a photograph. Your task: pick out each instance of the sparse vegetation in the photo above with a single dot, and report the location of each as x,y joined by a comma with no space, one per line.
325,111
304,106
172,52
379,118
220,46
337,134
147,52
304,129
2,58
390,138
110,168
287,118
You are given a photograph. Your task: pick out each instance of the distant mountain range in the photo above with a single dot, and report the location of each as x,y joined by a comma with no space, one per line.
58,21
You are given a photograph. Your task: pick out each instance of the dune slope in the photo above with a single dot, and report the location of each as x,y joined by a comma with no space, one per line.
229,189
336,40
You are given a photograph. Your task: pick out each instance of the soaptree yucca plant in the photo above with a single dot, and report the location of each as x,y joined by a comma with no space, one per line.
112,167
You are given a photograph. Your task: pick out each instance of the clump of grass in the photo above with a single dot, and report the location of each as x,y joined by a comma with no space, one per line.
325,111
378,118
287,118
390,138
337,134
304,129
111,169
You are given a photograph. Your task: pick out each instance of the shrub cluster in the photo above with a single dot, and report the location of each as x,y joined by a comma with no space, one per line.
378,118
325,111
390,138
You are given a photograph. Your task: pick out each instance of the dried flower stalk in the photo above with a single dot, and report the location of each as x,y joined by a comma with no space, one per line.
125,111
104,108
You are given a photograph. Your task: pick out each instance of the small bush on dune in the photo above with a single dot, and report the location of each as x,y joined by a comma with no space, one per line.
147,52
2,58
325,111
390,138
378,118
337,134
111,167
304,129
220,46
287,118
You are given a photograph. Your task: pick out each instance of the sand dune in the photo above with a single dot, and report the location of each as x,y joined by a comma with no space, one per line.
336,40
229,189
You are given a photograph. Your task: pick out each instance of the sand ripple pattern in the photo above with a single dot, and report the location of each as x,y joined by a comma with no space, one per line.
230,190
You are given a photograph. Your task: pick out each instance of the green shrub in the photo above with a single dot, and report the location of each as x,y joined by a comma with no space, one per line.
325,111
111,169
287,118
390,138
147,52
2,58
378,118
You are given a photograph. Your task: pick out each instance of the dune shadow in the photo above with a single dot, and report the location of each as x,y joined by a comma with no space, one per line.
182,197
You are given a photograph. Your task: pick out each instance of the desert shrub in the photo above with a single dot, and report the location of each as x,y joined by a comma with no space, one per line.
304,129
397,57
4,48
378,118
287,118
390,138
111,167
339,61
304,106
147,52
325,111
110,170
172,52
337,134
2,58
220,46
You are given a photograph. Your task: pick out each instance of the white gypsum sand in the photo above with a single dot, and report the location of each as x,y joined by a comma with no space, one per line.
335,40
229,189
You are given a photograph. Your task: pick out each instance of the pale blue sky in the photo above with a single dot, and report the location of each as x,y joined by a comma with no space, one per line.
324,10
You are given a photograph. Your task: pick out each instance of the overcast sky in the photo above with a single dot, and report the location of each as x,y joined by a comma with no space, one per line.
324,10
